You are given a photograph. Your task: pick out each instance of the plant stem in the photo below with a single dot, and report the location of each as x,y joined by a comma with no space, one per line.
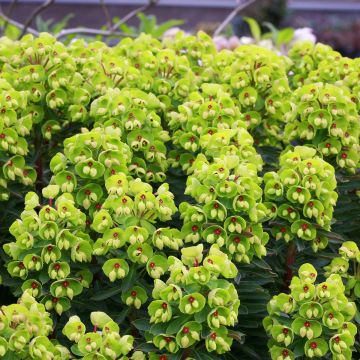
290,260
229,18
33,15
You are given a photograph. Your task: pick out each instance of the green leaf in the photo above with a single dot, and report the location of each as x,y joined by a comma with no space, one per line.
166,26
142,324
201,316
254,28
176,324
200,355
158,329
284,36
107,293
75,350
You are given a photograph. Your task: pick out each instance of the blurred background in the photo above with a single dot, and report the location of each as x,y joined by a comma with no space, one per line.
332,21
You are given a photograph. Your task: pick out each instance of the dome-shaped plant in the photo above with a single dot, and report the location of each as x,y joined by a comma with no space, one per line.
314,320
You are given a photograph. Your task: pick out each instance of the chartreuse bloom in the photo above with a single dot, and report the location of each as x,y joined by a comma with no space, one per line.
231,213
197,299
104,340
48,86
347,265
304,193
58,239
326,117
321,314
24,331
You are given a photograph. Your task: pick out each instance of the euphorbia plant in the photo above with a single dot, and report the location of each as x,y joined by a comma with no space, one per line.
194,304
327,118
314,319
25,328
24,331
302,196
347,266
91,191
102,232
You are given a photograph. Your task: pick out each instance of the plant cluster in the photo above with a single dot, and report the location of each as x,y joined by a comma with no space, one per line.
194,304
327,118
313,320
103,231
254,80
24,331
302,195
91,191
347,266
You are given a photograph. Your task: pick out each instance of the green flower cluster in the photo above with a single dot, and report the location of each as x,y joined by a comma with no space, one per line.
48,89
24,331
302,195
91,191
347,265
132,116
314,63
328,119
103,342
194,304
314,318
248,86
229,207
15,123
43,91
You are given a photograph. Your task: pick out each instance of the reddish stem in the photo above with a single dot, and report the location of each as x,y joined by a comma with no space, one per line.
290,260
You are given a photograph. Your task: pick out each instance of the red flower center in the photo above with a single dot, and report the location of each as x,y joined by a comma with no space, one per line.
313,345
